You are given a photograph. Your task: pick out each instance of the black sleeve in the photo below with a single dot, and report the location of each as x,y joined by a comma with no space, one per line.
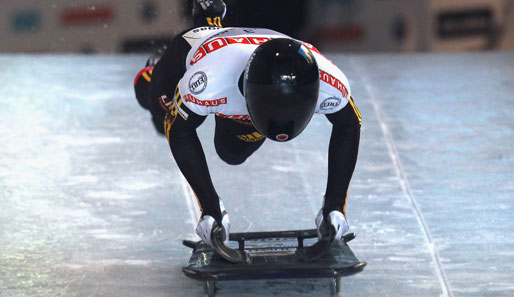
180,127
342,156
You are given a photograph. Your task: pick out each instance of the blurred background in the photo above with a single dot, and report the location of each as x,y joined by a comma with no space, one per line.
137,26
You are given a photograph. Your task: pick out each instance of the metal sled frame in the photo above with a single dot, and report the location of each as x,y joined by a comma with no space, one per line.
324,259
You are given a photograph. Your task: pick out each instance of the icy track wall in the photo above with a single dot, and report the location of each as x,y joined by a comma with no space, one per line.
89,26
93,204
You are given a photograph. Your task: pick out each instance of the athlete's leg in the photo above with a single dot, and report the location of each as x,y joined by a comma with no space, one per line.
142,83
171,67
236,140
167,70
160,77
166,75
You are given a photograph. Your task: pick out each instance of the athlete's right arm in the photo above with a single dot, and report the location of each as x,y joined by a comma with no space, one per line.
180,127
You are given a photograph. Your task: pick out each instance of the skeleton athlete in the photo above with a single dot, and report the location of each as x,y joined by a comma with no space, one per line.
259,84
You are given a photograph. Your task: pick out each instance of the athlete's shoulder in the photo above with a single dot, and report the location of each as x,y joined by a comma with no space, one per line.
230,42
334,91
211,84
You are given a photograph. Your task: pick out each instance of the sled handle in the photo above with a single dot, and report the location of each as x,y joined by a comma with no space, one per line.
231,255
317,250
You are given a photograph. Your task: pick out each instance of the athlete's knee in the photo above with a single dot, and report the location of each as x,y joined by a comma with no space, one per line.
229,157
142,86
234,160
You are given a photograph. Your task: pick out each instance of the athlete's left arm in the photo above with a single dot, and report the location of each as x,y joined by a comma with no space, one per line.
342,156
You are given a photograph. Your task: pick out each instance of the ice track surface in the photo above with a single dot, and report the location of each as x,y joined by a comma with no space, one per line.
92,203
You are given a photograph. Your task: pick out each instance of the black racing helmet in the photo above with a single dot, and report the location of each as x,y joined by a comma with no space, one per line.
281,87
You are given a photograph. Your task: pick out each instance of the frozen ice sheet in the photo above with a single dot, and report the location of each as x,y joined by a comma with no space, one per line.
93,204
